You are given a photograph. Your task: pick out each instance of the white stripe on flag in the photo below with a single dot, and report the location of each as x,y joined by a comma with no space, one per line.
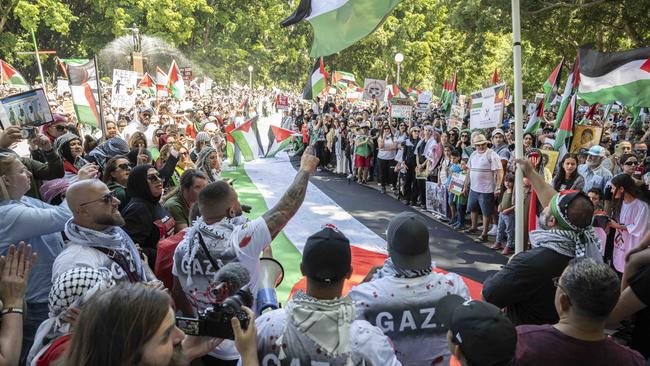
273,176
628,73
319,7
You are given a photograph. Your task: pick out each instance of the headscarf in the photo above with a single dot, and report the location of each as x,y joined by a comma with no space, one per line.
137,185
53,188
62,145
72,288
203,163
108,149
570,240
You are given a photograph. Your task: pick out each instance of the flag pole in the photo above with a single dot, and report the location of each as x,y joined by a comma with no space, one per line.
519,135
38,61
100,98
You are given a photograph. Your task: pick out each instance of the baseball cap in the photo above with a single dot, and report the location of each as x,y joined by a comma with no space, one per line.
596,150
326,256
408,242
496,131
484,334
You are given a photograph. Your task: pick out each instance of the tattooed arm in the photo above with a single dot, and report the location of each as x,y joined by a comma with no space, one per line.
277,217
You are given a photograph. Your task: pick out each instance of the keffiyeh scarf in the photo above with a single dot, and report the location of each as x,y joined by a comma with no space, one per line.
574,244
113,238
390,269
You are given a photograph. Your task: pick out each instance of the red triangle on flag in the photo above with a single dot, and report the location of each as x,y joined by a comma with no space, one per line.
280,134
646,66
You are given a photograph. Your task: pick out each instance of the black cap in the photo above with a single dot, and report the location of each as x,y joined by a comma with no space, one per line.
408,242
485,336
326,256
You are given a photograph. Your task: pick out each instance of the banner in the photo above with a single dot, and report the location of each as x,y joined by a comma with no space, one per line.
374,89
401,108
487,107
457,182
62,87
186,73
436,196
124,83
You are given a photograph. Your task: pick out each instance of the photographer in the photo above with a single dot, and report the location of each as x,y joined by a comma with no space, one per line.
53,169
143,332
222,235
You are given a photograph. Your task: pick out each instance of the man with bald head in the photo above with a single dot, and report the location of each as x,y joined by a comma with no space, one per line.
96,239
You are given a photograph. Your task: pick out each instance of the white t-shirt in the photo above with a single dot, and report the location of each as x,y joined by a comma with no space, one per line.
75,255
404,308
369,345
481,171
246,241
634,216
385,153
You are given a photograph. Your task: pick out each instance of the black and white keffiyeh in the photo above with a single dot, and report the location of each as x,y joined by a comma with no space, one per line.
390,269
570,243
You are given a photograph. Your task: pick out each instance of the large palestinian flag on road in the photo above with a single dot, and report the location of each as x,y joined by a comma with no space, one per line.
247,137
339,24
84,89
317,81
279,139
606,77
11,76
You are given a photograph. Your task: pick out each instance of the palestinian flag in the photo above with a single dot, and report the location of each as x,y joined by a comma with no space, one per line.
536,118
161,79
551,84
450,97
396,91
339,24
62,62
566,127
84,87
147,84
175,82
607,77
590,113
495,77
571,84
247,137
11,76
344,76
317,81
443,93
279,139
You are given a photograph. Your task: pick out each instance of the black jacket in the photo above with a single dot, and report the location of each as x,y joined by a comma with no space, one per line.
524,286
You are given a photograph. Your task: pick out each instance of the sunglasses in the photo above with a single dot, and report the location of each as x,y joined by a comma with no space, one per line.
107,198
631,163
386,128
154,177
61,128
124,166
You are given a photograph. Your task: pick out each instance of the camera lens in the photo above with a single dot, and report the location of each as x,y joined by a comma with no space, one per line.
233,304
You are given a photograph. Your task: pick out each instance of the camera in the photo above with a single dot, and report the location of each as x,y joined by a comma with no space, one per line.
215,321
27,133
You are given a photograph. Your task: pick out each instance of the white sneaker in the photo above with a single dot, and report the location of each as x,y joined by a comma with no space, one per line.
493,230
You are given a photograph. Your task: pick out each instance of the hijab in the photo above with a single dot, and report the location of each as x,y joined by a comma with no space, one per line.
137,185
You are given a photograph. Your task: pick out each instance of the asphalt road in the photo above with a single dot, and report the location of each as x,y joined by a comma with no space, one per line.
451,250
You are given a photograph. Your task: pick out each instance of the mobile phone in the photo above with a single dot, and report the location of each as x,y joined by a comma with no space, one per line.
27,133
600,221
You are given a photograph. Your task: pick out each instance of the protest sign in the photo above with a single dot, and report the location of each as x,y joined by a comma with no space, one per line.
68,107
282,102
62,87
531,108
401,108
124,82
186,73
424,102
26,109
457,182
436,198
374,89
584,137
487,107
550,159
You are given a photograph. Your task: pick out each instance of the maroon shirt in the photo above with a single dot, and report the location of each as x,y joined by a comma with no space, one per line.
544,345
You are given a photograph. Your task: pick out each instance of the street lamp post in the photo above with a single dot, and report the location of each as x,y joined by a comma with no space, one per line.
398,58
250,77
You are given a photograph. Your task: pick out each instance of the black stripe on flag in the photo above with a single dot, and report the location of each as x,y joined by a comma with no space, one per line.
302,11
594,63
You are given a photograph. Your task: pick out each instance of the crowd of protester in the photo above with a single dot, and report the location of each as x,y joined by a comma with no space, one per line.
119,232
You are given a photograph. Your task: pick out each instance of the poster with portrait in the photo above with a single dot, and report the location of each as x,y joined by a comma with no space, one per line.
550,159
436,198
584,137
27,109
374,89
457,182
123,88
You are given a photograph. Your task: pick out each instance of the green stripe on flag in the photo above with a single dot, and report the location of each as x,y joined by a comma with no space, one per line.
244,147
636,93
283,250
85,115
